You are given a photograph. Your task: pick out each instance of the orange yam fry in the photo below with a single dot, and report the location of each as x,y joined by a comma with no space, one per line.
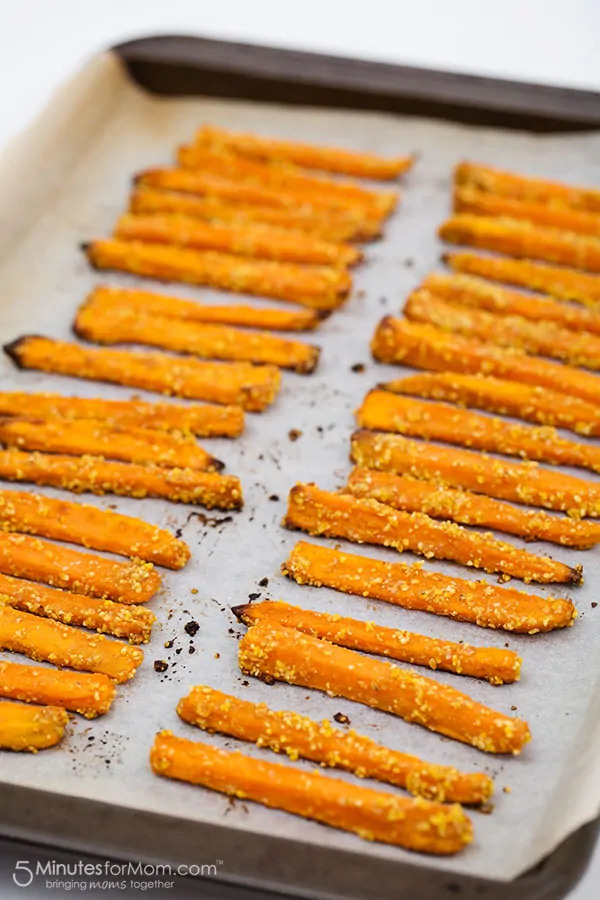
50,641
413,823
536,190
105,616
256,241
79,474
468,508
299,736
523,239
318,287
481,294
534,404
543,338
198,419
90,695
495,665
425,347
130,326
311,156
565,284
252,387
412,587
84,573
112,298
96,529
324,513
337,225
382,410
519,482
90,438
480,203
272,652
31,728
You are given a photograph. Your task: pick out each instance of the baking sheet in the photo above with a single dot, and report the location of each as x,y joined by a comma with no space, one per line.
65,182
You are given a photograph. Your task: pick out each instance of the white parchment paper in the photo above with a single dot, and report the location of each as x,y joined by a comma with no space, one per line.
65,182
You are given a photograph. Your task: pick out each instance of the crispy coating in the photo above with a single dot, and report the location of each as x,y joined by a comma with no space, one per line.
468,508
105,616
336,225
565,284
519,482
256,241
523,239
412,587
131,326
253,388
425,347
311,156
199,419
471,200
324,513
84,573
31,728
542,338
493,664
98,476
478,292
300,737
318,287
531,403
49,641
272,652
413,823
554,194
88,694
110,298
96,529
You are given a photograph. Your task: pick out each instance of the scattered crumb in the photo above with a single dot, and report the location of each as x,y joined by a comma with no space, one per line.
253,597
192,628
263,582
507,789
160,665
294,434
342,719
194,591
168,644
191,649
358,367
274,497
513,708
245,683
487,809
594,604
217,656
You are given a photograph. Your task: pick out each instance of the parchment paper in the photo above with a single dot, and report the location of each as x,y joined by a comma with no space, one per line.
66,181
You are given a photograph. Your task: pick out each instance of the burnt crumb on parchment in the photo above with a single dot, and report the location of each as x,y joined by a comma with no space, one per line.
263,582
192,628
594,604
359,368
274,498
207,521
191,649
160,665
294,434
253,597
168,644
341,718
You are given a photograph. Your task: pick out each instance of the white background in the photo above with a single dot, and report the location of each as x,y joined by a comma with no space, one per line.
548,41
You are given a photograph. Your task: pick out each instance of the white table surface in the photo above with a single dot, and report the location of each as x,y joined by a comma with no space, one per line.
43,42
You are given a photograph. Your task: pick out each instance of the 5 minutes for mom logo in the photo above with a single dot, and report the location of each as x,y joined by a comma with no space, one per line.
25,871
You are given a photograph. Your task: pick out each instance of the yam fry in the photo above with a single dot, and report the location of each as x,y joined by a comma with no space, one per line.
105,616
519,482
80,474
130,326
272,652
50,641
251,387
111,298
516,237
543,338
425,347
412,587
88,694
565,284
468,508
318,287
338,225
96,529
471,200
490,663
84,573
31,728
311,156
301,737
482,294
534,404
257,241
537,190
324,513
90,438
199,419
382,410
